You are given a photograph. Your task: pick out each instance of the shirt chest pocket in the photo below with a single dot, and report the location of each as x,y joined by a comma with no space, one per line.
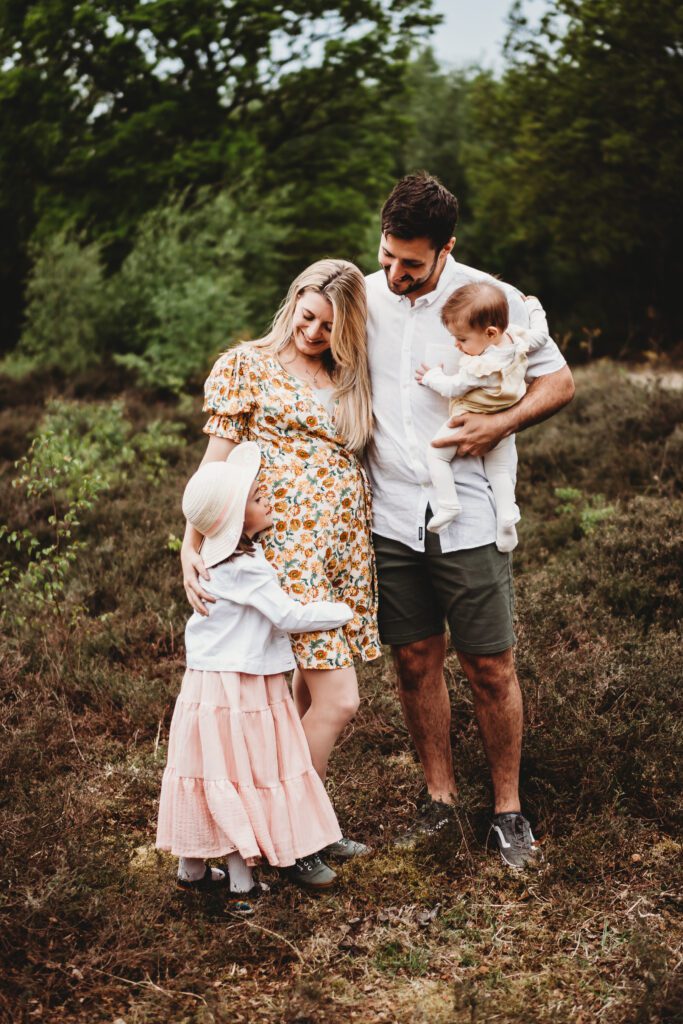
439,349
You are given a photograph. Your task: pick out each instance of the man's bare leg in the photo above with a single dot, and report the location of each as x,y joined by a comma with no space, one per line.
498,707
427,711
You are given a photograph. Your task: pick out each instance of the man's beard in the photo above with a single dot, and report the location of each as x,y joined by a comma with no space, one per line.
416,285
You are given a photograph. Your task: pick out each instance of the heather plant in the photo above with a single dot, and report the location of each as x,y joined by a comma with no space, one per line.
90,927
81,450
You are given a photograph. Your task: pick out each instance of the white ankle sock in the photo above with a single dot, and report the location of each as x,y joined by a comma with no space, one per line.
444,515
191,869
241,877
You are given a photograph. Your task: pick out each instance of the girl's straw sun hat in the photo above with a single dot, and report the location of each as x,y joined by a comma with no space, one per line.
215,499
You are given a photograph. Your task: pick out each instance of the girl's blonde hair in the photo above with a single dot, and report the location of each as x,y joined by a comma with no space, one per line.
346,361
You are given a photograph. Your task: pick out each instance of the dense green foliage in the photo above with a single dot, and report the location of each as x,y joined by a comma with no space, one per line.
108,107
573,162
80,451
68,305
90,929
288,125
182,290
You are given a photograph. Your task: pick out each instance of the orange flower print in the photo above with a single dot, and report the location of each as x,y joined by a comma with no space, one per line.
319,546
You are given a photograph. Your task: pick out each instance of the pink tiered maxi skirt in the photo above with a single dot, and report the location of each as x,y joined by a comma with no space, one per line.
239,775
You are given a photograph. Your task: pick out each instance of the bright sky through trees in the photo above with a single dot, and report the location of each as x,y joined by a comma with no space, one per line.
474,32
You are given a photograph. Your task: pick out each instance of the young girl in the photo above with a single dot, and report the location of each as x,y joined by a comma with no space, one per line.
490,378
239,782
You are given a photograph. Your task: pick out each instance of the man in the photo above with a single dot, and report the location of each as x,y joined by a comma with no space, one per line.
459,575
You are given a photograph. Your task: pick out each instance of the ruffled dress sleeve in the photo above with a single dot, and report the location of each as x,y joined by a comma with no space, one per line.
231,395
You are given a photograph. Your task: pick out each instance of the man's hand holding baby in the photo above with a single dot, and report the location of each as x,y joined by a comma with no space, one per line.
476,433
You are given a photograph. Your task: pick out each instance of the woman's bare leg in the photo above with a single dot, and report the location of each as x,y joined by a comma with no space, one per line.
300,693
333,701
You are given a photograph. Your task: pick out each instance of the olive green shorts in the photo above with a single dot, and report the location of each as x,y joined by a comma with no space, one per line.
419,591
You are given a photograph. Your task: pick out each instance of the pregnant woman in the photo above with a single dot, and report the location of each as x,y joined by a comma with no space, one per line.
303,394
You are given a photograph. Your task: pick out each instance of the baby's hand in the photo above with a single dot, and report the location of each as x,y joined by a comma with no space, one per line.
421,370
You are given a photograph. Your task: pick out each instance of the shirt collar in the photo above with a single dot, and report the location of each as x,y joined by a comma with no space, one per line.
444,283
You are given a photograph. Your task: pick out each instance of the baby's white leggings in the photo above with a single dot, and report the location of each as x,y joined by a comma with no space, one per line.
497,468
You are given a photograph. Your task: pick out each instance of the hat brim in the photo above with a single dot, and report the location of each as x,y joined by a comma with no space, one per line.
247,458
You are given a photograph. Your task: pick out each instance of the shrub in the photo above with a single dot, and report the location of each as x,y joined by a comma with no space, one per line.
68,306
584,513
81,449
182,291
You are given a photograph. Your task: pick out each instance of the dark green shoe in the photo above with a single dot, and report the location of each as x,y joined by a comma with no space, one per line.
345,849
311,873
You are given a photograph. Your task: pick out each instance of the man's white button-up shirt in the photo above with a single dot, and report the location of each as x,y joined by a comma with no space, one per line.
401,335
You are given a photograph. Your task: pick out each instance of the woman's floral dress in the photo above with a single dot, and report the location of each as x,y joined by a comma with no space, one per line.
320,544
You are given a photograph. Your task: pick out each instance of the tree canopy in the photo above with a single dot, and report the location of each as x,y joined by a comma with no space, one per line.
301,115
573,160
107,106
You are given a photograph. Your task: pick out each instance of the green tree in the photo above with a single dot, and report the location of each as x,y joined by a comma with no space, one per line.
68,304
573,159
108,106
436,123
183,295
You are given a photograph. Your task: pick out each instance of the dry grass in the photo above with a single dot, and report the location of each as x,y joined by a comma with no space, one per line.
92,929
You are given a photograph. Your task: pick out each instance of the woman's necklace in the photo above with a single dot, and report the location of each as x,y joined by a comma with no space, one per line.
309,373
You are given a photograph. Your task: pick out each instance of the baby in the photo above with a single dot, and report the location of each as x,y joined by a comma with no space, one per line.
490,377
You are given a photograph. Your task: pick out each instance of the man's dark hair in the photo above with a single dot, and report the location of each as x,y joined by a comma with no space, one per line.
421,207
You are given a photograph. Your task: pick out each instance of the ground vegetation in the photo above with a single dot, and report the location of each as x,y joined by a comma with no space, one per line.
91,928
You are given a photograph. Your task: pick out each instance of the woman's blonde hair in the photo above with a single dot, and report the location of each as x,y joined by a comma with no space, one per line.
346,361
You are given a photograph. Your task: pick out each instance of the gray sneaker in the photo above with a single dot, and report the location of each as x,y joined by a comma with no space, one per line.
516,843
311,873
345,849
